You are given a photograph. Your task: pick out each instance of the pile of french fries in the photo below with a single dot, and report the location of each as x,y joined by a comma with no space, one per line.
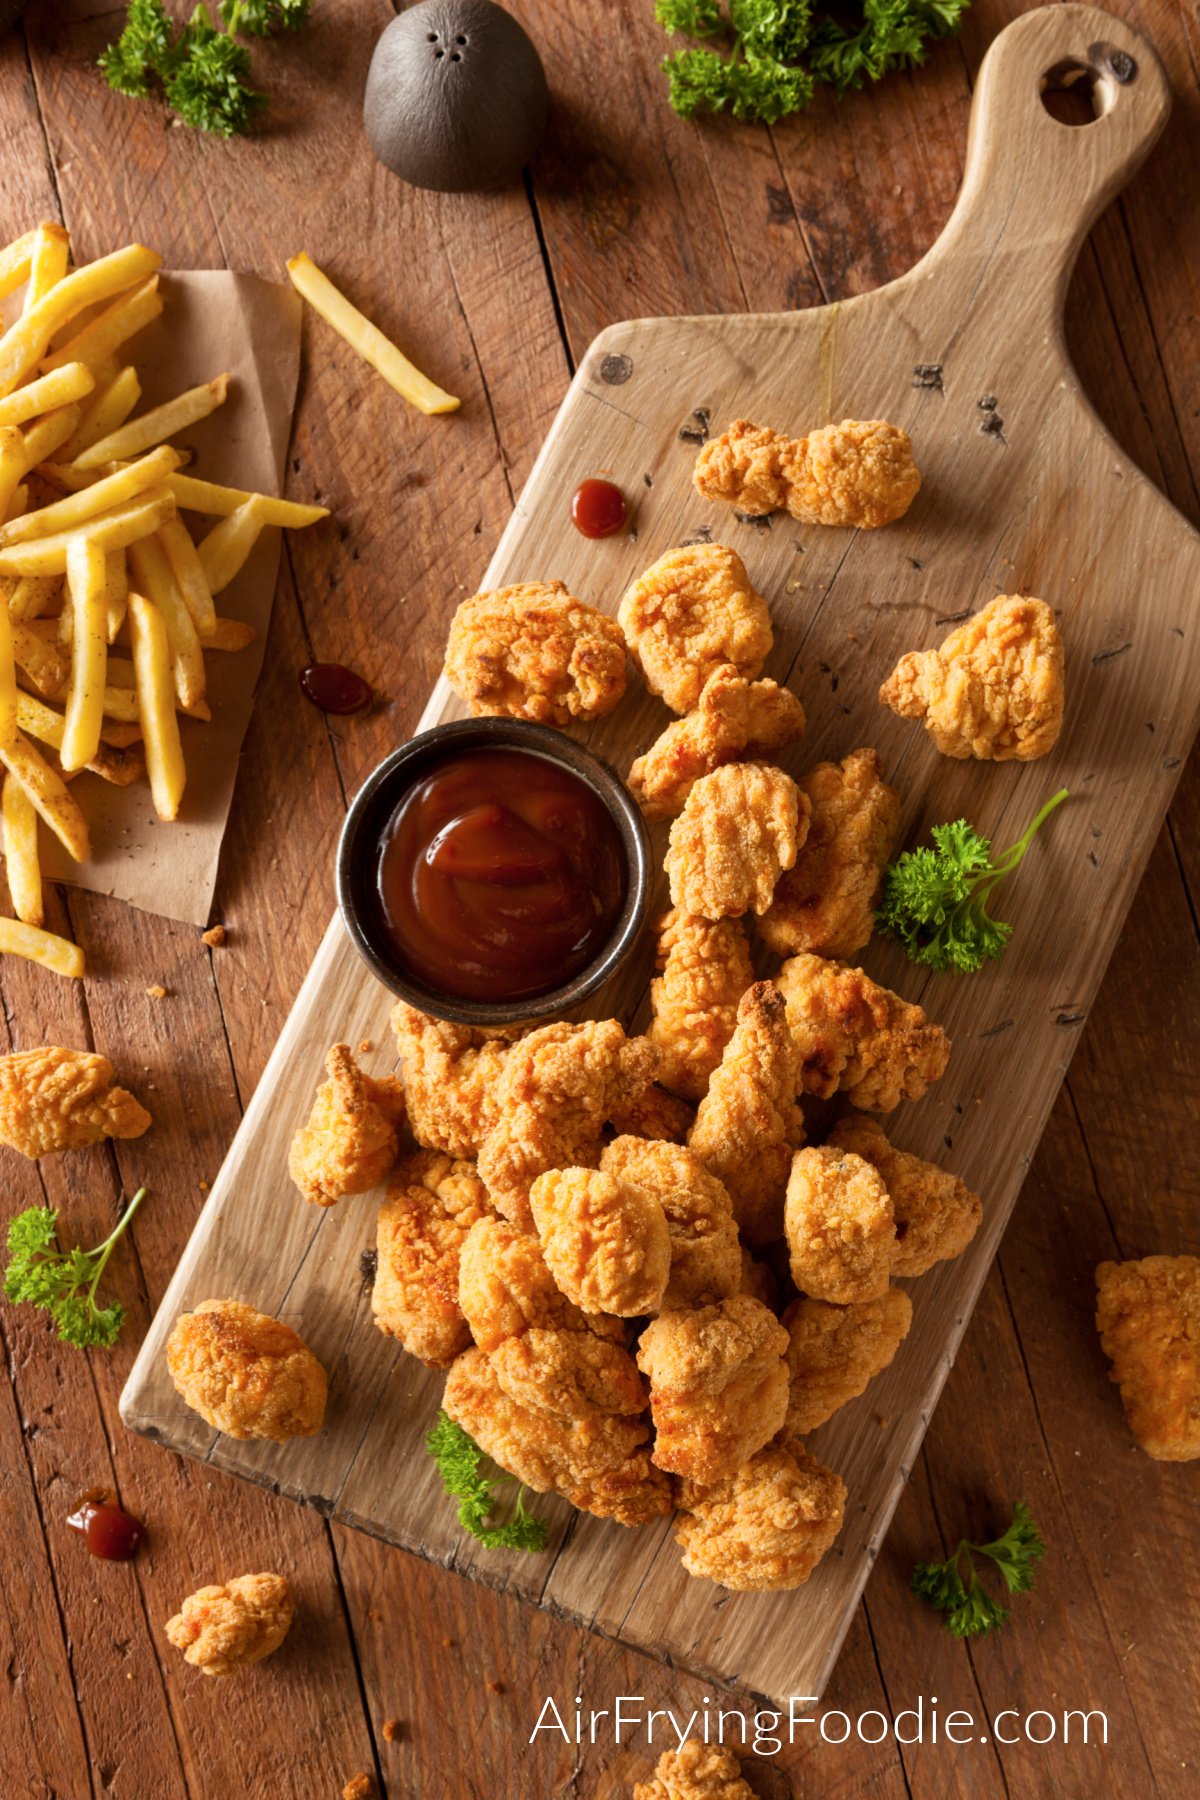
108,602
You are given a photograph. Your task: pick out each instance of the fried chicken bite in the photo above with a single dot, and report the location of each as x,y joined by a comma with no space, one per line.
228,1627
706,969
855,1037
352,1135
505,1288
600,1463
605,1240
748,1124
692,612
859,473
706,1257
834,1351
451,1079
734,720
1148,1317
740,828
560,1085
993,689
758,1281
840,1227
54,1099
765,1526
937,1215
245,1373
825,903
695,1771
718,1385
654,1113
572,1374
431,1205
535,652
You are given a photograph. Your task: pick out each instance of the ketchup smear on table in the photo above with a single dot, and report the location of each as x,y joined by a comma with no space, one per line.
108,1530
334,688
500,875
598,508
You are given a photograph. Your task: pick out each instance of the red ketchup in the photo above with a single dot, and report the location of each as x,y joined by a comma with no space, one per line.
334,688
108,1530
500,875
598,508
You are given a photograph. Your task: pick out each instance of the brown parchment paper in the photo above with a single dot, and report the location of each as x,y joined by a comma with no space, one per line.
211,321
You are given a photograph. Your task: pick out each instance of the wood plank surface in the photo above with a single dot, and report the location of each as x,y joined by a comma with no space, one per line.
622,216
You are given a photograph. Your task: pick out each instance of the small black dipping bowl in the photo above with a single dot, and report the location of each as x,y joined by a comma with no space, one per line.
372,809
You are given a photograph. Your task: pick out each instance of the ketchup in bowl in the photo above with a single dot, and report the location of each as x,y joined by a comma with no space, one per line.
500,874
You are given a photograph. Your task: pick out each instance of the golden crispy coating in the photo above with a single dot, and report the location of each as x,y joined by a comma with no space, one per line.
572,1374
352,1135
245,1373
993,690
432,1204
734,720
860,472
706,969
766,1526
223,1629
451,1079
758,1281
696,1771
834,1351
742,825
1148,1317
706,1258
826,901
748,1123
691,612
937,1215
53,1099
535,652
505,1288
560,1084
840,1228
853,1036
718,1384
605,1241
600,1463
654,1113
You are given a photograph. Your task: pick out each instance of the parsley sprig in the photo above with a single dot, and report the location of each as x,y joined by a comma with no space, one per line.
780,50
204,72
970,1610
935,900
64,1282
462,1465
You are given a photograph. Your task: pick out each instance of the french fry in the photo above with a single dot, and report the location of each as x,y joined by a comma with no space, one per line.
57,954
87,581
121,733
156,706
21,852
48,434
48,792
367,339
38,720
19,502
48,392
160,422
48,264
190,578
15,260
225,548
8,679
32,596
119,767
116,592
151,572
12,464
27,339
120,669
114,530
110,406
218,502
230,634
43,662
103,335
113,490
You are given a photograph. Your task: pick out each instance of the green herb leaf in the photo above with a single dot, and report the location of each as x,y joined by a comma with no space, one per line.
263,18
64,1282
970,1610
462,1465
204,73
209,87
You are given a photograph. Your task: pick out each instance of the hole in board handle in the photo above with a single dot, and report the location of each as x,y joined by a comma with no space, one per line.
1078,91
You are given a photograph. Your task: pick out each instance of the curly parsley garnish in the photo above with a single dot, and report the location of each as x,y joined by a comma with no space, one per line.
970,1610
64,1282
781,49
204,73
460,1460
935,900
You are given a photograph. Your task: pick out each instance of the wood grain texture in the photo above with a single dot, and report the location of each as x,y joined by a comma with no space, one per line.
1047,505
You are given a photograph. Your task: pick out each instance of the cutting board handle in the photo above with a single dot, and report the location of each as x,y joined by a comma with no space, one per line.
1033,185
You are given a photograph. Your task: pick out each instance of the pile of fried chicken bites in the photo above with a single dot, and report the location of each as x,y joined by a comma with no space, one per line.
592,1232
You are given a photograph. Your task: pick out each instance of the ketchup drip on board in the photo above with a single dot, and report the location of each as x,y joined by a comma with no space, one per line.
107,1529
333,688
598,508
500,875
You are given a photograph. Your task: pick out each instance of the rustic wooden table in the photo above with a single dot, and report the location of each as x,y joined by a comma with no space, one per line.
628,210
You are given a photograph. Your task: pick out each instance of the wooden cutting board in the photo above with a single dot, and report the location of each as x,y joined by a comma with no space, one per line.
1023,491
